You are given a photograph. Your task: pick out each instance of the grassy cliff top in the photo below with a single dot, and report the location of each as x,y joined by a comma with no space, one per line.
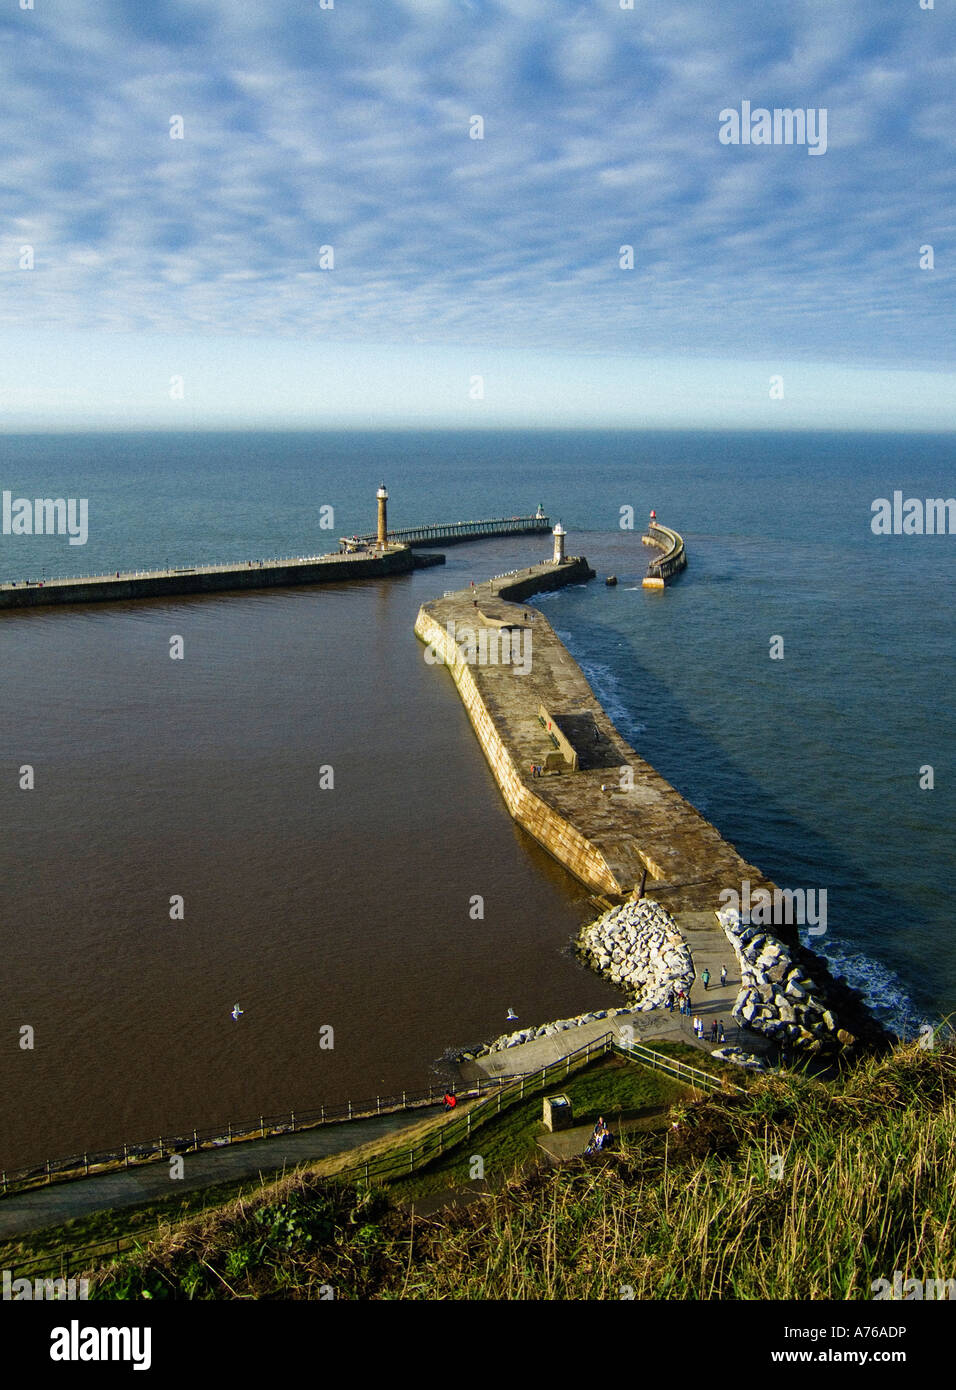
798,1188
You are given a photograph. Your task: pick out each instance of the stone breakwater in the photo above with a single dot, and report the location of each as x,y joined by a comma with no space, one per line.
615,831
214,579
546,1030
778,997
639,947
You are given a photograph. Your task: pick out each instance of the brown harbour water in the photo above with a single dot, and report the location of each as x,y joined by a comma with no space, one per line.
348,906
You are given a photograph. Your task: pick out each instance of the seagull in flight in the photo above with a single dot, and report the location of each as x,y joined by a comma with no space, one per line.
236,1011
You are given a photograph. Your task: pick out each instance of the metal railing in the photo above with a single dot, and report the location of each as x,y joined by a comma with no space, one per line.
164,572
447,1136
503,525
235,1132
499,1096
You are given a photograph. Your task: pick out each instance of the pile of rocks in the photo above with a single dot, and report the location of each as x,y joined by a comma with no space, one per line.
740,1058
777,997
639,947
524,1035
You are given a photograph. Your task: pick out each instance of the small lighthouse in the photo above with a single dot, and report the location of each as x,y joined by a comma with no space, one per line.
559,535
382,496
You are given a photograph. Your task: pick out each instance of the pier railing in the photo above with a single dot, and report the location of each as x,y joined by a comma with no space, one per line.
163,572
449,532
493,1097
234,1132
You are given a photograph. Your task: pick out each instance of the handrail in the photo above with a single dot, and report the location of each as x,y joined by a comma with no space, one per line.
442,530
263,1126
447,1135
433,1146
235,1132
706,1080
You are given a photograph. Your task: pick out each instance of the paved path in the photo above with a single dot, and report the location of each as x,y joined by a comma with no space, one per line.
21,1212
709,948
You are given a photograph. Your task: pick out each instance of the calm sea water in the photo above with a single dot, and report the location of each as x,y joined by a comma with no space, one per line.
352,906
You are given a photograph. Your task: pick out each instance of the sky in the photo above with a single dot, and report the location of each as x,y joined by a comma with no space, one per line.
328,245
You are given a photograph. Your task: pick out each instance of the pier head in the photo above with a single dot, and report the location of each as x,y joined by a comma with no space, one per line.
672,559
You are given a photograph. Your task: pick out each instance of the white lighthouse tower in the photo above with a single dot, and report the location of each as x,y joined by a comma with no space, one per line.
559,535
382,496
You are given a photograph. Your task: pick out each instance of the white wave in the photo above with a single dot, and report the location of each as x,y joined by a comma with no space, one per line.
882,989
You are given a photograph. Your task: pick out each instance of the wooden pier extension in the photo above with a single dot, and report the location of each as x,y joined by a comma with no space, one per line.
450,533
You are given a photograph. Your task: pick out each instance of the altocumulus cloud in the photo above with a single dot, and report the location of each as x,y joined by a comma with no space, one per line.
349,128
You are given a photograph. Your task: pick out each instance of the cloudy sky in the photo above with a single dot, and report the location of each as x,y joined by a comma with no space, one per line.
474,281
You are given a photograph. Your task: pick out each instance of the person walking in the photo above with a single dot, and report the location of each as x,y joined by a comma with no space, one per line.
720,1032
670,1001
713,1032
723,974
705,976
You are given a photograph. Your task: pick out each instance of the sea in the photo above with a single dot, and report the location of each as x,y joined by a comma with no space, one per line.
184,847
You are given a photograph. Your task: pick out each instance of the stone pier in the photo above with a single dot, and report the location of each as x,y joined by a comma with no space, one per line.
589,798
612,819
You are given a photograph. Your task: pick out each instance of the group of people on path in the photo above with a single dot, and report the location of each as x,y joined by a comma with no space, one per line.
717,1034
682,999
705,976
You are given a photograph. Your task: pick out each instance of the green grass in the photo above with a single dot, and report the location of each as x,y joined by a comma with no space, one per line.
867,1186
614,1088
128,1223
508,1142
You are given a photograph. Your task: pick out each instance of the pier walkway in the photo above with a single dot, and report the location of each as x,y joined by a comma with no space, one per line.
39,1207
206,579
451,532
596,805
614,819
648,1027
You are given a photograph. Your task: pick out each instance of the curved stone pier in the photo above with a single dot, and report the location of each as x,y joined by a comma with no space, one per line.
672,559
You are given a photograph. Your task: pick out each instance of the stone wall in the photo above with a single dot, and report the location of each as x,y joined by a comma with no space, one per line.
205,581
551,830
